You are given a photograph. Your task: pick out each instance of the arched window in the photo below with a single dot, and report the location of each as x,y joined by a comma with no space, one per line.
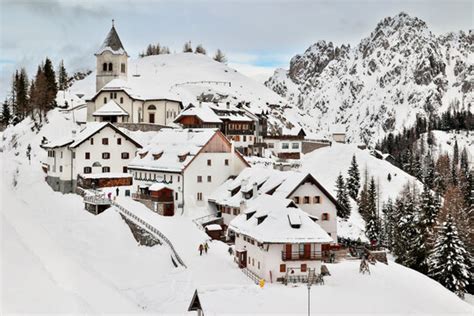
151,107
104,67
110,66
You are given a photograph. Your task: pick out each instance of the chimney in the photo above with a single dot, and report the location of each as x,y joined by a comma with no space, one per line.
254,190
227,105
73,133
243,206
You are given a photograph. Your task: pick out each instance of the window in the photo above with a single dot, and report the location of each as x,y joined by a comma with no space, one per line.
303,267
271,145
88,156
237,138
105,169
245,138
73,155
285,145
125,155
317,200
105,141
325,216
250,138
105,155
105,100
87,170
199,178
110,66
176,196
122,67
124,169
209,162
151,107
119,141
60,168
178,178
258,265
253,262
199,196
306,200
282,267
296,199
111,95
61,155
295,145
121,99
92,141
209,179
104,67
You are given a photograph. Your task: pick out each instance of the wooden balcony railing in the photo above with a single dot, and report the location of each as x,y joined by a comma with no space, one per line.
139,196
297,255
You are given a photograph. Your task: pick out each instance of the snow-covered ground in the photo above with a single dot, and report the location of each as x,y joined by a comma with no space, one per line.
444,143
58,258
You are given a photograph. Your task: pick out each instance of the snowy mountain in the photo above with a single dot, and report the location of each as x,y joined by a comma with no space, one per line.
399,71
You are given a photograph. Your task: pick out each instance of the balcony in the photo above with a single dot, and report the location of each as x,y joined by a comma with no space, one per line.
297,255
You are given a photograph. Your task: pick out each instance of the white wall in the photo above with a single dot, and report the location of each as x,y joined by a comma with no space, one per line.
174,181
270,258
278,146
326,206
116,163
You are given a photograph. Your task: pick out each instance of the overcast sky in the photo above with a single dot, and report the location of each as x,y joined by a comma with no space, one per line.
257,36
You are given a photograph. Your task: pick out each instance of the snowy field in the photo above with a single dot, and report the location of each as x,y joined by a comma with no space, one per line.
58,258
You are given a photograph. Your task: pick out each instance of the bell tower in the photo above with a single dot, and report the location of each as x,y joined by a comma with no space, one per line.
112,60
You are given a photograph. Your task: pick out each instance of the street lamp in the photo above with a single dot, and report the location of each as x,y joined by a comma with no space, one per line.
309,298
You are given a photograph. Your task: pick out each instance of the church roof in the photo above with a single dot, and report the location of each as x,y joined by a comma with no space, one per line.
111,108
112,44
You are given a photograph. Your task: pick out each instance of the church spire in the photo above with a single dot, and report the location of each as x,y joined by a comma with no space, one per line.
112,43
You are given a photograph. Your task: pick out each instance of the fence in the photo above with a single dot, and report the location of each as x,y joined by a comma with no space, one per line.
150,228
97,200
251,275
200,220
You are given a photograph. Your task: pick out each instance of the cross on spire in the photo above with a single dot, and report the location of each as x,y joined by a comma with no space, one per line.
113,22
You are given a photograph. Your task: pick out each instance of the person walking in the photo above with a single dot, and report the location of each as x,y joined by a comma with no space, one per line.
200,249
117,191
206,247
109,195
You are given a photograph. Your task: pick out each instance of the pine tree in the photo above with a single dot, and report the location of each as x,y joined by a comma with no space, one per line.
342,198
200,50
28,153
389,223
353,181
220,57
455,153
6,115
187,47
372,229
430,175
51,85
448,261
62,77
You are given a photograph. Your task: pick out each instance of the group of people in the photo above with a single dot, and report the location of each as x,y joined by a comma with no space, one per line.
204,247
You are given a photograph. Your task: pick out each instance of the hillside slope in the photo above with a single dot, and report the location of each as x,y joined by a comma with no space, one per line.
399,71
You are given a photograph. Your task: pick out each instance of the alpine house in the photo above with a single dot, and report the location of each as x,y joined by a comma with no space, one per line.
276,240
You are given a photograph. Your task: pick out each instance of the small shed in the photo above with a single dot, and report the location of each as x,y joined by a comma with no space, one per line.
214,231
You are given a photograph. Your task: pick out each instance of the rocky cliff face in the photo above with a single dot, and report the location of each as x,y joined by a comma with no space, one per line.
399,71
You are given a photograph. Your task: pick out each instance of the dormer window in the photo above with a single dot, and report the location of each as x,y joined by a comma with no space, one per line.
261,219
157,155
110,67
249,215
104,67
182,157
142,154
294,220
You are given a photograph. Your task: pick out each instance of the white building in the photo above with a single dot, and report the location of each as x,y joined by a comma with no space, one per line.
193,162
98,148
275,239
286,145
233,196
124,96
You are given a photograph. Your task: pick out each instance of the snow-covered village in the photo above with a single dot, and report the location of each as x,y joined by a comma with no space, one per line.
143,172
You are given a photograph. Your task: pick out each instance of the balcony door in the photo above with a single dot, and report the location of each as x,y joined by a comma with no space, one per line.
151,117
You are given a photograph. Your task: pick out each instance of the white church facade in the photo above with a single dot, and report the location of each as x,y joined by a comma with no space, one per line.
124,96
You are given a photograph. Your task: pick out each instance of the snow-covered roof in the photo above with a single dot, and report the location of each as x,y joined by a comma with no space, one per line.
212,227
278,220
112,43
202,111
158,187
111,108
92,128
172,143
64,141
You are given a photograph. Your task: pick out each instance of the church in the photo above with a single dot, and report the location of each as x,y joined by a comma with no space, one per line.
125,95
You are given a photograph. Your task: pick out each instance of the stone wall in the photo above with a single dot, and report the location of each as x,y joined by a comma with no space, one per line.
144,127
309,146
142,236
